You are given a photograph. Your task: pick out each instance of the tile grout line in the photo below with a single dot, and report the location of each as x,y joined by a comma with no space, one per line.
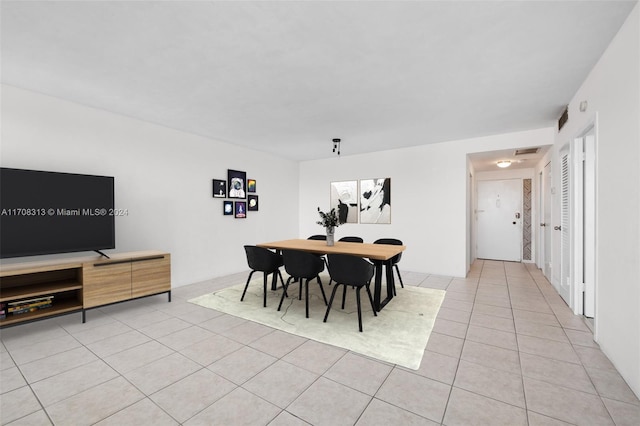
446,407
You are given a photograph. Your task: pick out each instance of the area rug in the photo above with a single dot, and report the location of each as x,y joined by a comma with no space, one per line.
398,335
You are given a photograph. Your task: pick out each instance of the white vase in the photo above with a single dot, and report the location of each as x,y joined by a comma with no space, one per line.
330,240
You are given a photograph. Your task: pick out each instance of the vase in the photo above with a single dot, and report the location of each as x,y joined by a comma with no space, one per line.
330,240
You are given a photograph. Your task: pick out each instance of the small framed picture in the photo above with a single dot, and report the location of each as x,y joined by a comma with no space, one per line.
253,203
237,182
240,209
227,208
251,185
219,188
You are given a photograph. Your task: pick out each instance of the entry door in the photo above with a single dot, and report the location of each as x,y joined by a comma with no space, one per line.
546,224
500,220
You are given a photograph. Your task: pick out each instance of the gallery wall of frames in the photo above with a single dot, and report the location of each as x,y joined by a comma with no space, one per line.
363,201
238,192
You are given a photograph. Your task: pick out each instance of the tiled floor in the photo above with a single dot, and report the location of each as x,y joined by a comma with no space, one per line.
505,351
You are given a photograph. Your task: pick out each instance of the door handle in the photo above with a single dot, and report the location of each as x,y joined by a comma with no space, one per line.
557,228
543,224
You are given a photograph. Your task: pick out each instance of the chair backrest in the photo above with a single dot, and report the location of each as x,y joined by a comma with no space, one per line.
262,259
302,264
348,269
351,240
392,241
317,237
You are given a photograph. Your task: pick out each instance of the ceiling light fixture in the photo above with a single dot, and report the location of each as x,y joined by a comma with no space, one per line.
336,145
503,163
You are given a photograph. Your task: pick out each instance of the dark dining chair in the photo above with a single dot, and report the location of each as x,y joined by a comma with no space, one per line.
351,240
352,271
265,261
302,268
394,260
347,240
320,237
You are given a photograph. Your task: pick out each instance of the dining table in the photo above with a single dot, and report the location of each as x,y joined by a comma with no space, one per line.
381,254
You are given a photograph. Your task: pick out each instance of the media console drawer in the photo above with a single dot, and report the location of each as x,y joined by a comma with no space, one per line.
103,284
150,276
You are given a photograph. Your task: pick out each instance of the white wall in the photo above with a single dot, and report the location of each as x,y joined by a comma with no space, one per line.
612,91
428,196
163,177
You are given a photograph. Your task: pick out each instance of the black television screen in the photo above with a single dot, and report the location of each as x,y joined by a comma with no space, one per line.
49,212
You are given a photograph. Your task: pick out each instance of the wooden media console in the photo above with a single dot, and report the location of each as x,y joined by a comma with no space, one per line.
78,284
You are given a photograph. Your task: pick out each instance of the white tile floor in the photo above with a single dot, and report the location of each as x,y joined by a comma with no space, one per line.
505,350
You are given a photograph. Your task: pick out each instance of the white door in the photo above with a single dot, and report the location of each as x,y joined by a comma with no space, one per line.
564,286
500,219
583,222
546,223
589,272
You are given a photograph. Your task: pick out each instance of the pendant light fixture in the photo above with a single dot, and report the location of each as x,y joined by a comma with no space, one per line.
336,145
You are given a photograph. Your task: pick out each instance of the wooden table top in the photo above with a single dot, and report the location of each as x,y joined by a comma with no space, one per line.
372,251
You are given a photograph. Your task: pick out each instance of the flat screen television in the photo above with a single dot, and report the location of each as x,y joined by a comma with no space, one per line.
50,212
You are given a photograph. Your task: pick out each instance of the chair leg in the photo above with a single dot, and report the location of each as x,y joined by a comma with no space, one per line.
264,281
375,314
285,286
246,286
306,297
359,310
399,276
282,281
333,293
344,294
324,296
301,281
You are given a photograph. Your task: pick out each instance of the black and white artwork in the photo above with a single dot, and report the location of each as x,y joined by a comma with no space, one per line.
219,188
344,198
237,182
375,200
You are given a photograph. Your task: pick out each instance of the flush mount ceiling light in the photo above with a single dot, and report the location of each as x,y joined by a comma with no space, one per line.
503,163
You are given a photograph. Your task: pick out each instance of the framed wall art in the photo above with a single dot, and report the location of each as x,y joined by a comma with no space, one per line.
219,188
237,182
251,185
240,209
375,200
227,208
344,198
252,203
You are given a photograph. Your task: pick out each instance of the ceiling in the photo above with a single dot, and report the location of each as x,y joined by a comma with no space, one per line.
288,77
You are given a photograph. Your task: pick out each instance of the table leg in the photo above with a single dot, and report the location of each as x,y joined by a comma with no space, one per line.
377,287
388,266
390,283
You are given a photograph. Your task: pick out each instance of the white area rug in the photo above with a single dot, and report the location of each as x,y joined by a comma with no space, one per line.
398,335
